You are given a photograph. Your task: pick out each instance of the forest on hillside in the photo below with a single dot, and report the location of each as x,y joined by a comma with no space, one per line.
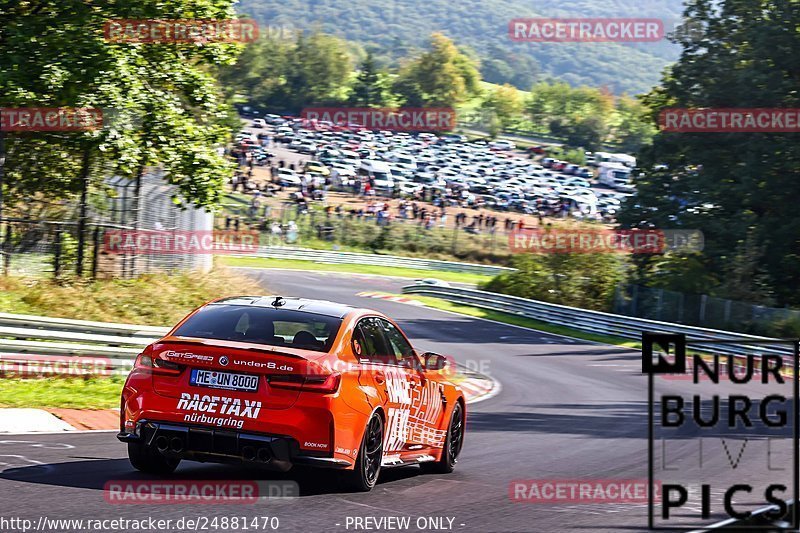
395,29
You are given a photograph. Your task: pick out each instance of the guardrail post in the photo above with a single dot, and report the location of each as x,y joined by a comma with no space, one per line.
57,253
702,318
658,303
96,250
7,255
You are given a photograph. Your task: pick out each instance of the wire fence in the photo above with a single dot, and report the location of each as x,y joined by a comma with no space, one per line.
54,248
706,311
43,248
287,224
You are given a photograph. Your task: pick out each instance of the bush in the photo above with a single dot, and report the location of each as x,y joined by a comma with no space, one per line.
581,280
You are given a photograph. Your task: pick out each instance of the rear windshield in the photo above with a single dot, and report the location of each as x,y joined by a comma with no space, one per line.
262,325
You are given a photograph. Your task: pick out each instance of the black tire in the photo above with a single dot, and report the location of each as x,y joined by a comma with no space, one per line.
365,473
452,444
146,459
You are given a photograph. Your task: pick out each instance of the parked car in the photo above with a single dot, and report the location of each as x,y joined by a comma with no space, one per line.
307,148
502,145
316,167
287,176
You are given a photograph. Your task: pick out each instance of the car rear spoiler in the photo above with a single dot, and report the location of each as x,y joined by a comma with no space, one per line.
232,344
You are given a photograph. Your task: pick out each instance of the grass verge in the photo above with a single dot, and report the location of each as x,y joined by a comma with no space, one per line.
71,393
507,318
151,299
259,262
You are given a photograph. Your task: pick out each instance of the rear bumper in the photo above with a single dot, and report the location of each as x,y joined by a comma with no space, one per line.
210,444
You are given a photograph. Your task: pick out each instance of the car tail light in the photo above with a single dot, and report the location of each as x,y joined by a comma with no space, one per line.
321,384
158,366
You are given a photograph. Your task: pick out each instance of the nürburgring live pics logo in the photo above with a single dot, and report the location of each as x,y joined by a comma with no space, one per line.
728,449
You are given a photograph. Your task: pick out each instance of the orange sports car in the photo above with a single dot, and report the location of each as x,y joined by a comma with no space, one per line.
276,382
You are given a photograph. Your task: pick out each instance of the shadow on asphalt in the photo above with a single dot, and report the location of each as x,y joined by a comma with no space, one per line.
626,354
94,474
479,331
627,420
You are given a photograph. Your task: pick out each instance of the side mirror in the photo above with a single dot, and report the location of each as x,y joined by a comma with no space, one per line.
434,361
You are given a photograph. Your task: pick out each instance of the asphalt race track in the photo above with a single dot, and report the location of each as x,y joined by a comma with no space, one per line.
567,410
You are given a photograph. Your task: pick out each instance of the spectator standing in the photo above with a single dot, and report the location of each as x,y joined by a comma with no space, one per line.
275,234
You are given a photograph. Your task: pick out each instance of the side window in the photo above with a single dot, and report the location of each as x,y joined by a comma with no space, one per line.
369,342
402,351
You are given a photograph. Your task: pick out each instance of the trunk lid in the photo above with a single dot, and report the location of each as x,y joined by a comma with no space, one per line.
196,371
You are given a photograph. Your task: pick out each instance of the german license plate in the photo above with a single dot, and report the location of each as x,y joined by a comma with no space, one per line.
224,380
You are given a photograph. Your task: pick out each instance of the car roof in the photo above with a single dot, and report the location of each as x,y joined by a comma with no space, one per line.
319,307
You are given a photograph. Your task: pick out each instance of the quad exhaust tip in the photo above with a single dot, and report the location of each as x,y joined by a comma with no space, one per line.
249,453
176,445
264,455
162,444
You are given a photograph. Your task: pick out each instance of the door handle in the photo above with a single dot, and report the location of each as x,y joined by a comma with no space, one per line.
379,379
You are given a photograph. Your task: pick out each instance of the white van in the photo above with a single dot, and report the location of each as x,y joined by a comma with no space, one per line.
615,175
379,171
627,160
607,157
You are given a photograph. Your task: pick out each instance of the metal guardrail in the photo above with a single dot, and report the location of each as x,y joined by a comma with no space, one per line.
627,327
26,337
26,341
334,257
759,520
82,326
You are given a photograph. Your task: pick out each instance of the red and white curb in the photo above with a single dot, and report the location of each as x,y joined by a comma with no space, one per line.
478,389
390,297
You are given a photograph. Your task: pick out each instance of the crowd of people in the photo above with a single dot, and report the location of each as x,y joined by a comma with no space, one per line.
426,208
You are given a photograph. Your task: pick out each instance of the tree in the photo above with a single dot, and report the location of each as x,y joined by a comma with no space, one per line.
370,87
161,104
631,127
505,103
275,74
738,188
441,77
588,132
